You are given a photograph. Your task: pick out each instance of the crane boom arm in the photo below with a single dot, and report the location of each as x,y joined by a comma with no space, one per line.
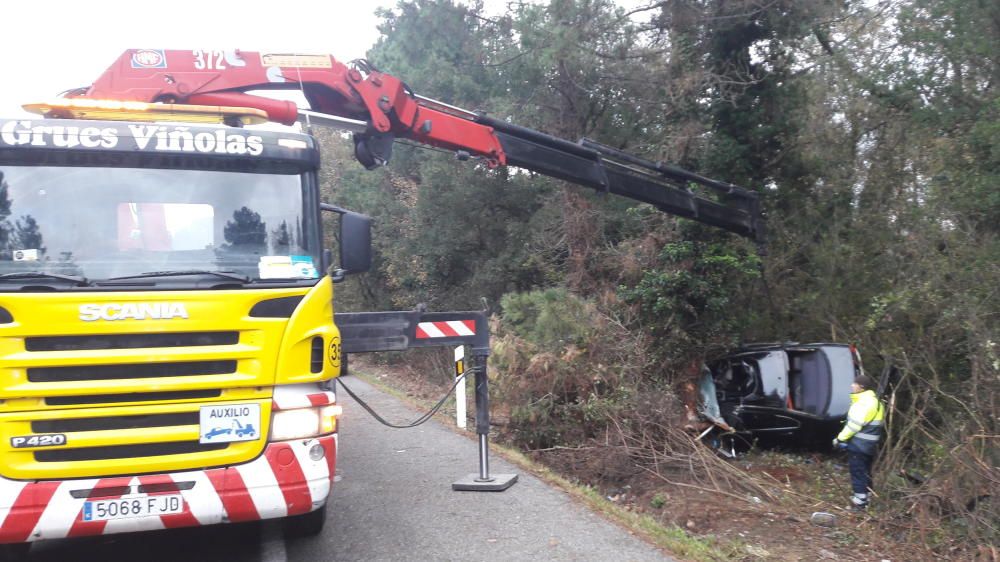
387,109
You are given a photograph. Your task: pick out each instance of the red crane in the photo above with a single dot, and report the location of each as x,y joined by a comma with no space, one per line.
379,108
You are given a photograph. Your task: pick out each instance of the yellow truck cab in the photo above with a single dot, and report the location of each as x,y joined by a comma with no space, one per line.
167,344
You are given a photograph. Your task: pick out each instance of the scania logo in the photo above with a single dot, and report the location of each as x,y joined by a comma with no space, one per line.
132,311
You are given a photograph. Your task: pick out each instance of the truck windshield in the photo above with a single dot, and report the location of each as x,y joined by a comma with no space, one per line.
100,223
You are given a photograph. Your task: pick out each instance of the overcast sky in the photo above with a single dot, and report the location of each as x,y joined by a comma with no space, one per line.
49,46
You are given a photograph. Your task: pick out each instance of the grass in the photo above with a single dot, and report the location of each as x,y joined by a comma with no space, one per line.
669,538
658,501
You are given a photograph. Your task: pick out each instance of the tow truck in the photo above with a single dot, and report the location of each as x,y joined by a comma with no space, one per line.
162,274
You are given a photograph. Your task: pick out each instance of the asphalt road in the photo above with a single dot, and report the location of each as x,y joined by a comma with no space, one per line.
393,501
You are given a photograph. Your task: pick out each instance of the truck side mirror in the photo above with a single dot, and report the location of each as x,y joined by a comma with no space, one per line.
355,241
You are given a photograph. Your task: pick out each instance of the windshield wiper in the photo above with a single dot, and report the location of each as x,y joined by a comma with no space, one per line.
179,273
81,281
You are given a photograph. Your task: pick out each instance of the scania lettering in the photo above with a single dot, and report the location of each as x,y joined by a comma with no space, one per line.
133,311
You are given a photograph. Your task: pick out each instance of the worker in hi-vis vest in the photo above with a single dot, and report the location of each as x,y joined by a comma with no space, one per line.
860,438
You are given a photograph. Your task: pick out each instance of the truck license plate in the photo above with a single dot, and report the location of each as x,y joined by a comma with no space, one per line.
129,507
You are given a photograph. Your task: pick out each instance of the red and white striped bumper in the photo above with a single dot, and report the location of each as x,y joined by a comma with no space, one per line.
283,481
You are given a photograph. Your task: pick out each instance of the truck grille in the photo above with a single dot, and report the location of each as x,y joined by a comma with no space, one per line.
130,341
127,397
78,373
131,397
130,403
127,451
126,439
117,422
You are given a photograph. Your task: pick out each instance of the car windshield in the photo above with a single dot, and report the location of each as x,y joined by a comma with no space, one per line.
104,223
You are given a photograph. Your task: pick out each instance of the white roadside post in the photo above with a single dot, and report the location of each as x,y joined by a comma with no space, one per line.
460,388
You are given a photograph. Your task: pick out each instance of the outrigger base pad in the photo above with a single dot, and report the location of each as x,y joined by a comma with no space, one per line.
495,483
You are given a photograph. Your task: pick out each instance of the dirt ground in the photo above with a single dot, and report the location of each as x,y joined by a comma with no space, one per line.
781,528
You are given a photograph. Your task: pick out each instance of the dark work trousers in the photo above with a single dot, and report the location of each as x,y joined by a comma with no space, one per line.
861,471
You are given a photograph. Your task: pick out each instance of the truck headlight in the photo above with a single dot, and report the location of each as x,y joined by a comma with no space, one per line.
301,423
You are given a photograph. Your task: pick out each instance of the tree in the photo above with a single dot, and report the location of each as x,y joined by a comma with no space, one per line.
246,229
27,235
6,229
281,239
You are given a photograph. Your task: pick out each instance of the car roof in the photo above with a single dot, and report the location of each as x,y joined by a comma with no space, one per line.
755,348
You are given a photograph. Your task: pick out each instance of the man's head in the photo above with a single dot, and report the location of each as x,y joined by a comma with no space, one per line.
862,383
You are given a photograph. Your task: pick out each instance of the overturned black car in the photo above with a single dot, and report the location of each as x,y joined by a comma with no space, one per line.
779,394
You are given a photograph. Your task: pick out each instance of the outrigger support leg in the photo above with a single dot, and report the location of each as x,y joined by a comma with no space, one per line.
484,481
366,332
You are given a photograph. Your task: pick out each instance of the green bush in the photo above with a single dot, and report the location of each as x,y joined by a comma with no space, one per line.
549,318
563,368
694,300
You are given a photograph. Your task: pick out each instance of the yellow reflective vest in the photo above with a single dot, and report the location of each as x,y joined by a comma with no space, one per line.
864,423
